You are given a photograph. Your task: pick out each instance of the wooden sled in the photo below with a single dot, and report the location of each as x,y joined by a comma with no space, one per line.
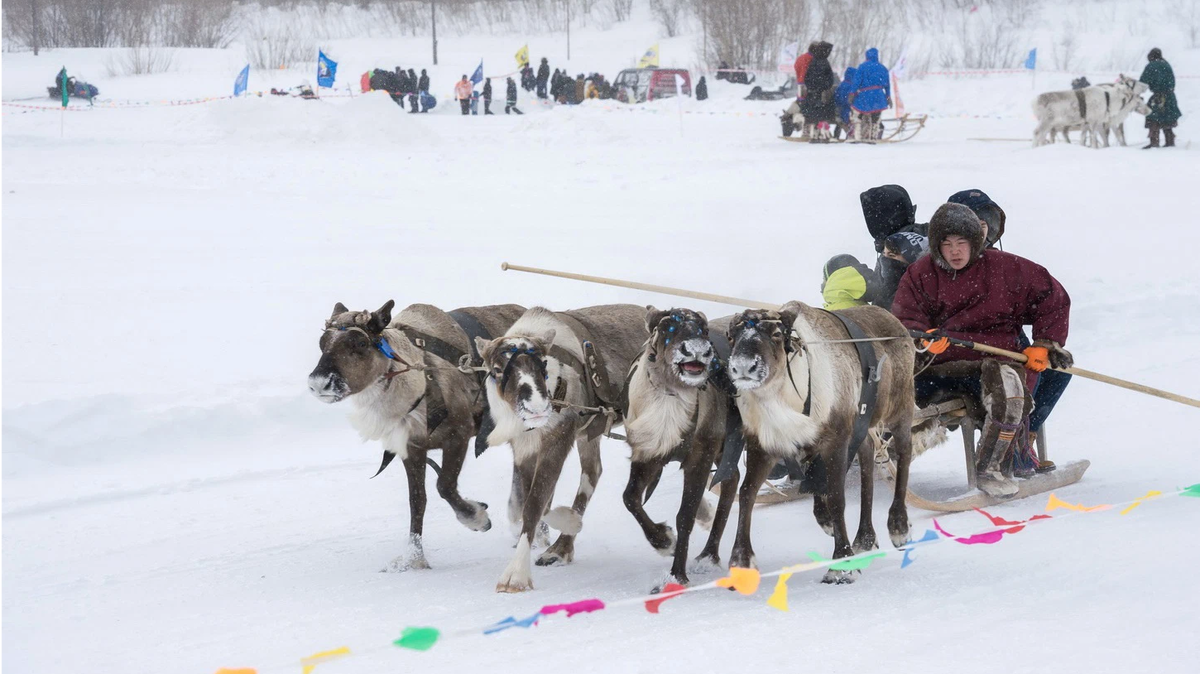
896,130
952,499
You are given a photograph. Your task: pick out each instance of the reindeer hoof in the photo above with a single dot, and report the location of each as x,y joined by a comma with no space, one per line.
743,560
406,562
664,541
477,519
865,545
839,577
705,563
678,580
557,555
513,588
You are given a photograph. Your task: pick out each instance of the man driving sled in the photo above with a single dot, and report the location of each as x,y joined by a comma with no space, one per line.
965,290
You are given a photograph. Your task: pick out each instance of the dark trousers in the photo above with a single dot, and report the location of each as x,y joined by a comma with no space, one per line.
1046,392
487,106
466,105
541,89
513,107
412,101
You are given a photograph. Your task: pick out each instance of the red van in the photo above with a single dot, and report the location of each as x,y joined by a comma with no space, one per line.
638,85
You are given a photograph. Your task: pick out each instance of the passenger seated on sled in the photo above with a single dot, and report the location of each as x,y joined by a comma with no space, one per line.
1051,383
966,290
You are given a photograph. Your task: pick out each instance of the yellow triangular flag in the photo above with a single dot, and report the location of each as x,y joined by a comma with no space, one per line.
310,663
650,58
778,598
1149,495
523,56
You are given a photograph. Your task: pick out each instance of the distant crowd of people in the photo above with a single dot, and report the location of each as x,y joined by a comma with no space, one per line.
852,105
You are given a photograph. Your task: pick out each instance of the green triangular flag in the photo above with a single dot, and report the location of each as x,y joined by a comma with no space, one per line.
1193,491
849,565
418,638
62,85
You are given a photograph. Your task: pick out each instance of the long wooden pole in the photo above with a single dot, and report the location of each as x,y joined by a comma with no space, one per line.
742,302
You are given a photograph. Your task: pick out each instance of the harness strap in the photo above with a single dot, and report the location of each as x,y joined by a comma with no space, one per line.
473,329
870,383
1082,104
597,388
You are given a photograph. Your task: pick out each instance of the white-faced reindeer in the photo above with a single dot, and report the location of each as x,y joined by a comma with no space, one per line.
679,401
800,386
411,398
541,375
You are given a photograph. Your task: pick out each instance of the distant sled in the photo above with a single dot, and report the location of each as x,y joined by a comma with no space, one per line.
896,130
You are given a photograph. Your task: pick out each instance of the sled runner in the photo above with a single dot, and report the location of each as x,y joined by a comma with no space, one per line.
952,499
896,130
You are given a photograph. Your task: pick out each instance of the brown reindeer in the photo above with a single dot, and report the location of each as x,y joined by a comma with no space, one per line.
678,408
540,375
412,399
799,399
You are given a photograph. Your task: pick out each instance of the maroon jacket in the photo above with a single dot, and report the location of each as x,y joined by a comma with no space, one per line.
987,302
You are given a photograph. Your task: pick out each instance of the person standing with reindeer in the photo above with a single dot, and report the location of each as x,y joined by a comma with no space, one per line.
965,290
872,95
1164,108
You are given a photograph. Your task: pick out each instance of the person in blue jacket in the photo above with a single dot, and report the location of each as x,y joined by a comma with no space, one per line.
872,95
841,99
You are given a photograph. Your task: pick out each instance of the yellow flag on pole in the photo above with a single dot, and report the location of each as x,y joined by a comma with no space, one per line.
650,58
523,56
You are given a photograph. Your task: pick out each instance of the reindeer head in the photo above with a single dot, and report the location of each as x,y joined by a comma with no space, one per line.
679,347
761,344
353,352
518,375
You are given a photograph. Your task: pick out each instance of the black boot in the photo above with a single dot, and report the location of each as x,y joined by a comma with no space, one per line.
1169,137
1153,131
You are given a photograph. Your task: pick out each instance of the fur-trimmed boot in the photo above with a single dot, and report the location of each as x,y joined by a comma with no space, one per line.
1169,137
1006,405
1153,132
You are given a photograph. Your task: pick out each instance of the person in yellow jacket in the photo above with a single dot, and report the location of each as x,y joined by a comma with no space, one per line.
462,91
848,283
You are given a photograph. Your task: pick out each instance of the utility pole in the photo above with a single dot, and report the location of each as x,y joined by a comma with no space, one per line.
37,26
433,20
568,3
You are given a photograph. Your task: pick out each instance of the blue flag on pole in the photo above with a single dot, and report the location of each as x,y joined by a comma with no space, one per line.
477,76
326,70
243,78
1031,60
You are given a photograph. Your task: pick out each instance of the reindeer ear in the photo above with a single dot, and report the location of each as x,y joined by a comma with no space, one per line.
545,339
382,318
482,345
788,314
653,316
703,317
339,309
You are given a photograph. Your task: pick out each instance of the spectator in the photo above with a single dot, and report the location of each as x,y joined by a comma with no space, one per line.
510,99
872,95
543,74
701,90
1164,109
413,90
487,96
462,91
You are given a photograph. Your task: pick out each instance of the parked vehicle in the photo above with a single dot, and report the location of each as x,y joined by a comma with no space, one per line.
638,85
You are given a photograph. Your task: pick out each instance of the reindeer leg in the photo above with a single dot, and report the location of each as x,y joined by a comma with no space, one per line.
414,557
835,498
555,446
865,538
898,526
641,471
710,555
472,514
563,550
758,465
695,476
522,483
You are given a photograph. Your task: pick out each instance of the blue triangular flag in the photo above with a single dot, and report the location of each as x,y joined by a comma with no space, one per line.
930,535
513,622
477,76
1031,60
326,70
243,78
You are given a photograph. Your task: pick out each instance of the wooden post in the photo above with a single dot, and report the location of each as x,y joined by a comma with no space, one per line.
433,20
37,26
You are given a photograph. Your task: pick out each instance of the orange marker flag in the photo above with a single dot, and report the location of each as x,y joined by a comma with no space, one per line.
1149,495
745,581
310,663
1055,503
239,670
778,598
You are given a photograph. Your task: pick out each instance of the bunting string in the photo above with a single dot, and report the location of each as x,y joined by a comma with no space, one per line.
744,581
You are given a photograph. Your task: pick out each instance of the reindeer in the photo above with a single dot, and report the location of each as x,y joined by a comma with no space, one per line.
412,398
799,398
678,409
543,377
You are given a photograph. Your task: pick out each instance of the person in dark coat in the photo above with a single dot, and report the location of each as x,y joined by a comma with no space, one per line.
817,105
543,75
1164,108
701,90
510,98
487,96
423,82
891,221
413,90
528,79
872,95
841,103
965,290
402,83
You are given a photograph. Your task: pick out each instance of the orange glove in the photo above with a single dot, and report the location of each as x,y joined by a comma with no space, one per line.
1038,358
936,346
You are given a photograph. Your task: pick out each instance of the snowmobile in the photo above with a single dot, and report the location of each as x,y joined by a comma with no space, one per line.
785,91
75,89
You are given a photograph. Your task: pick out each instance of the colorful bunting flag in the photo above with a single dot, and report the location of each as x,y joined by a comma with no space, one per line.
510,622
418,638
1192,491
1054,503
669,591
929,537
238,670
857,564
310,663
1149,495
778,598
574,608
745,581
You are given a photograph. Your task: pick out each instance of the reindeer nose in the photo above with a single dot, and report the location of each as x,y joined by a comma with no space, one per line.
743,367
708,352
684,350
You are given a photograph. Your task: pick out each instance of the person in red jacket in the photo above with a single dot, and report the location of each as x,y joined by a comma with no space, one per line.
965,290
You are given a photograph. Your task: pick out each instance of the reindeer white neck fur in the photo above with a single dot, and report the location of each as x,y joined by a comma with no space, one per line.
776,409
382,410
656,422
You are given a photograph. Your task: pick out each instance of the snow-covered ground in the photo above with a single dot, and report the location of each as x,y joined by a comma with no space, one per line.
175,501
